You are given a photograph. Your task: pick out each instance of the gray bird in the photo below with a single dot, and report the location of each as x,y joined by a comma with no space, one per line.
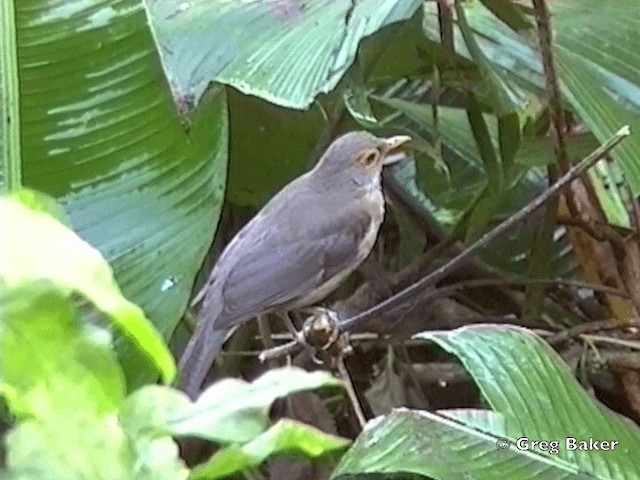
297,249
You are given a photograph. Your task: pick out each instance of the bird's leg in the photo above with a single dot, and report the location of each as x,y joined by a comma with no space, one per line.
286,318
265,331
265,335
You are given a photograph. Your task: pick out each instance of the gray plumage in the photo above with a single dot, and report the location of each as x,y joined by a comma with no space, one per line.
296,250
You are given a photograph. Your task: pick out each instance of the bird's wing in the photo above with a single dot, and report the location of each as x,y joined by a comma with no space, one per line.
278,268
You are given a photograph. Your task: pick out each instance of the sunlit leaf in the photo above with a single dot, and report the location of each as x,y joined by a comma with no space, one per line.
287,69
50,361
35,246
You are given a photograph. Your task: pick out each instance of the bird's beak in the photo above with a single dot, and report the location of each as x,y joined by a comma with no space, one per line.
391,150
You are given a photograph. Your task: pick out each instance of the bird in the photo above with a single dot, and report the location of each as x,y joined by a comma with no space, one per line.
297,249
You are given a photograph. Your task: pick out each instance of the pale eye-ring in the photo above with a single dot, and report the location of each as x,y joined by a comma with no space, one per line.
369,158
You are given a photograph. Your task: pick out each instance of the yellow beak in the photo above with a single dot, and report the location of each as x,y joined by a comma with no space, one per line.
390,148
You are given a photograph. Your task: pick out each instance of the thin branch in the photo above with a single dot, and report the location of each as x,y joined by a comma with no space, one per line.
591,327
490,282
556,112
456,262
280,350
351,391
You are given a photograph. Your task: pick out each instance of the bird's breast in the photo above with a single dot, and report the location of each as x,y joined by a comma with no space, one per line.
373,203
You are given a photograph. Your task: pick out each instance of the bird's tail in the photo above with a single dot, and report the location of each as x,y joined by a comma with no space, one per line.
203,347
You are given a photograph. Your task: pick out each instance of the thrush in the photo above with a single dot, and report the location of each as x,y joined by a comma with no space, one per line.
297,249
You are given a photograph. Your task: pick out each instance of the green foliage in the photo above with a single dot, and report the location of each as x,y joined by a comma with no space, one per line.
512,366
285,436
40,329
286,69
60,377
499,358
269,147
594,49
37,247
91,121
139,173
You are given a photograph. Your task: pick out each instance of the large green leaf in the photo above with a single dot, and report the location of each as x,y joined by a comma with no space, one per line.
522,378
236,411
230,411
35,246
444,449
99,131
286,52
597,51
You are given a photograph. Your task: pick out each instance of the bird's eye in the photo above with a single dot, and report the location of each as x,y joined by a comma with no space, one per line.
369,158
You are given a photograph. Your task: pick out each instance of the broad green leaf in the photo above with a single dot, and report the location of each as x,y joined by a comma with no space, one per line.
51,362
284,52
395,51
99,131
229,411
286,436
434,446
526,381
592,94
35,246
233,411
538,151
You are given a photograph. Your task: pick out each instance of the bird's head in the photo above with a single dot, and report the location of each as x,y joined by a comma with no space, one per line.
358,158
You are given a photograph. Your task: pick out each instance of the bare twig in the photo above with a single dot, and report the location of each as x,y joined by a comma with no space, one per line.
280,351
556,112
447,291
591,327
351,391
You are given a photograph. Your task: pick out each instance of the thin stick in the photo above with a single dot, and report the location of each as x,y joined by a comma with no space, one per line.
448,290
351,391
279,351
